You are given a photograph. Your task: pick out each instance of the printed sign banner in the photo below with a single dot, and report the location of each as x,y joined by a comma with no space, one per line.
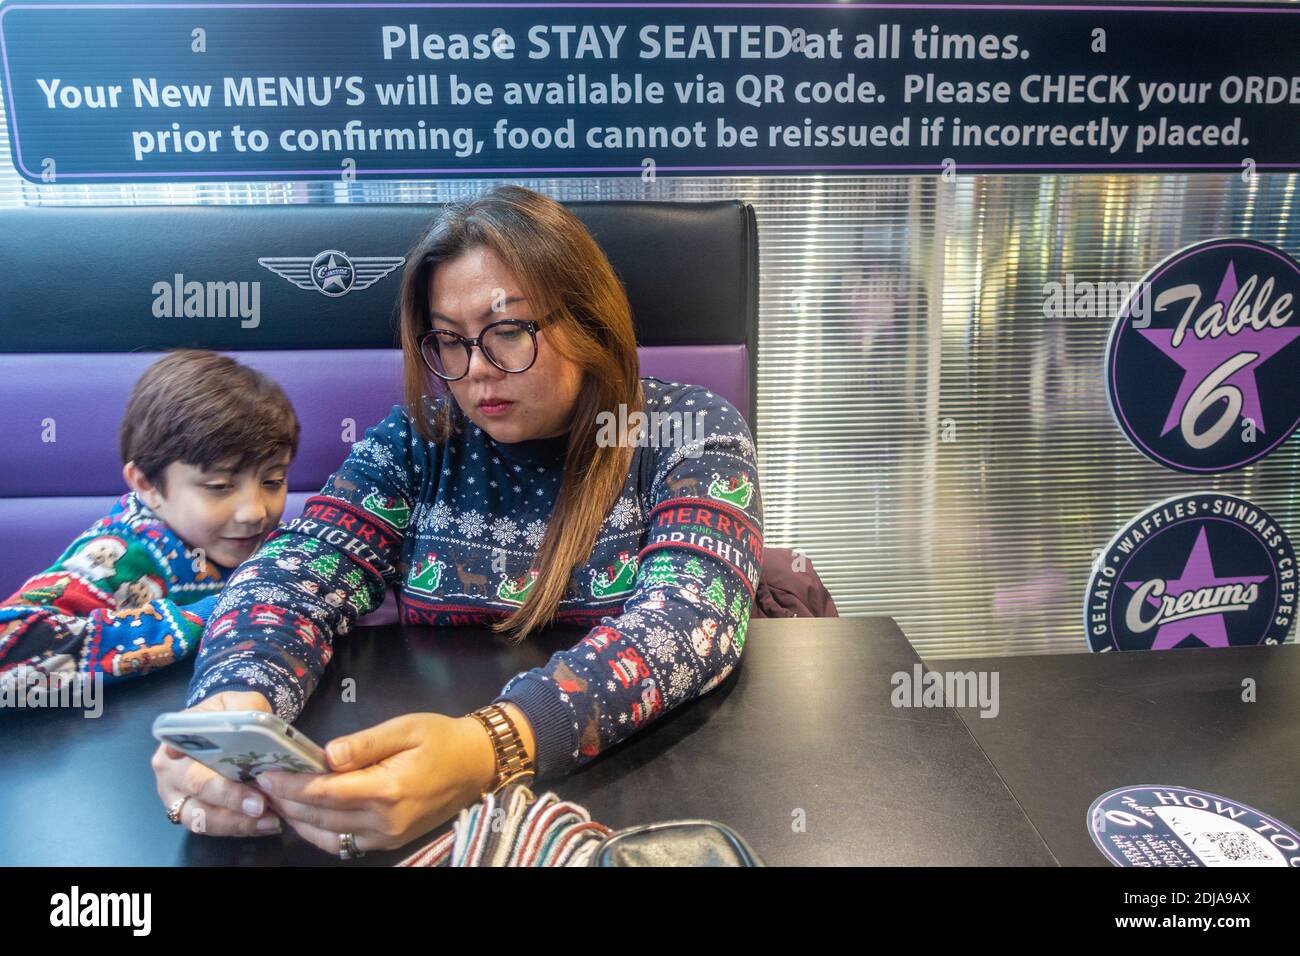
138,92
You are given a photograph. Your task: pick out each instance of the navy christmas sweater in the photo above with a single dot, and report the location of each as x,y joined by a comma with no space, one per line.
666,594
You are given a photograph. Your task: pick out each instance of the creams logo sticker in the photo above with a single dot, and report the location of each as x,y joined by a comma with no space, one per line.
1202,366
1177,826
1196,570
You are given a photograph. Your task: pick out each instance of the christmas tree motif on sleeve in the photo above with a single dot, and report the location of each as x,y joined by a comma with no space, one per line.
393,511
736,490
660,570
515,590
273,547
716,594
47,593
740,612
619,578
427,574
353,578
690,591
325,565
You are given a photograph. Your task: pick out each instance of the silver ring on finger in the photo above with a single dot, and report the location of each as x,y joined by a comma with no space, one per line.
348,849
174,811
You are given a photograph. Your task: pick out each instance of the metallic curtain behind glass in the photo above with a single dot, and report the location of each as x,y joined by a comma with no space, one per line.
939,448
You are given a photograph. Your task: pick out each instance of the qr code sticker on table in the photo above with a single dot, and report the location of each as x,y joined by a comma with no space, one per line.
1237,847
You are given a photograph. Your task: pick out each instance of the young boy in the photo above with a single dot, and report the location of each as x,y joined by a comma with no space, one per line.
206,443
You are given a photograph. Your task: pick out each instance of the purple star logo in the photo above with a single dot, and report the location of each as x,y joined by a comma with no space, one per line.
1200,357
1197,573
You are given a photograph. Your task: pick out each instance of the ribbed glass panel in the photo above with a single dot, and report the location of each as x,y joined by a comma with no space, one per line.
889,305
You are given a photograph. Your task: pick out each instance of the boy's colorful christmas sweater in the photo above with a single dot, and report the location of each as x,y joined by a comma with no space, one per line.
666,592
126,597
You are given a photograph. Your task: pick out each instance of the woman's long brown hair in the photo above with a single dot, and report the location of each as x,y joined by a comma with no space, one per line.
580,302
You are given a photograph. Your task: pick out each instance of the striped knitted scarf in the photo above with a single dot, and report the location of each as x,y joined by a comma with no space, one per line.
514,827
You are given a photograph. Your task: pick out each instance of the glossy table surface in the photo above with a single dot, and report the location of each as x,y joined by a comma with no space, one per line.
1071,727
800,751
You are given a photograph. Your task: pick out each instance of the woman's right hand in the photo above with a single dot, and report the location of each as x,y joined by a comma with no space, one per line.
216,805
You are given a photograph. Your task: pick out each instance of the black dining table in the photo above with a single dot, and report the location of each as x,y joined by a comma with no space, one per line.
1071,727
801,751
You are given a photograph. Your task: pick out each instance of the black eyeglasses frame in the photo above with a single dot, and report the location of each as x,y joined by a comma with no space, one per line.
528,325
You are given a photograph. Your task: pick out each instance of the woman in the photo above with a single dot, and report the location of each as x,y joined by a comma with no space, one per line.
509,496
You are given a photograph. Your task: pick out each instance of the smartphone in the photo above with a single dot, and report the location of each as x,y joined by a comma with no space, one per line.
240,744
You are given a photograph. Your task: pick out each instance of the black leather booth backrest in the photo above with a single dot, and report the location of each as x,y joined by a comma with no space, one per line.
81,279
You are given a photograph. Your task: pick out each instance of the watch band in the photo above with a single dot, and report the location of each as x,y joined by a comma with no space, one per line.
513,761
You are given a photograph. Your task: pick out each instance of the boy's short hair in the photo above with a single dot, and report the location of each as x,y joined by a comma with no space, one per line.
205,409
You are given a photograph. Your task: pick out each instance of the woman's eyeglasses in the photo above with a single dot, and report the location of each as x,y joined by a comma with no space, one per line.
509,344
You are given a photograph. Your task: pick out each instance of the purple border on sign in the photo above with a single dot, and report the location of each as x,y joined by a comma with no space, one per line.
1113,350
1119,572
849,4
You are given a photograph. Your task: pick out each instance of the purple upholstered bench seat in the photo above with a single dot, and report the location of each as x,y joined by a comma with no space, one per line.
51,490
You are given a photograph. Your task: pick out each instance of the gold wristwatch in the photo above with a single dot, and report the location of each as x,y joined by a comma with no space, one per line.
513,762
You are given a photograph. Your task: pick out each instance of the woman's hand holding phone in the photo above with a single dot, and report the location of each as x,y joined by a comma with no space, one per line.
388,784
215,805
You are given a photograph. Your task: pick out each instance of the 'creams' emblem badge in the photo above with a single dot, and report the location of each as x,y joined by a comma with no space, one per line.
331,272
1197,570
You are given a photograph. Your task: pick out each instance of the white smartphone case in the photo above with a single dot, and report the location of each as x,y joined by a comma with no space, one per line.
240,744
